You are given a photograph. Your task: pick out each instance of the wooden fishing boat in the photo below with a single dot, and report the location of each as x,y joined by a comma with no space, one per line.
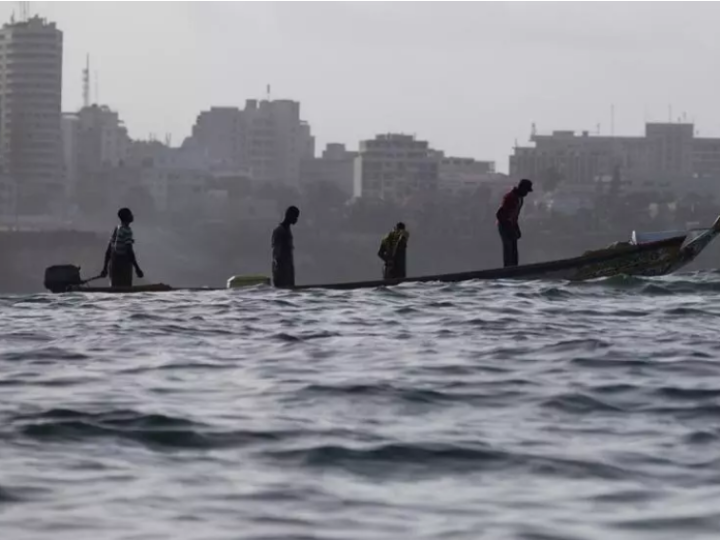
646,255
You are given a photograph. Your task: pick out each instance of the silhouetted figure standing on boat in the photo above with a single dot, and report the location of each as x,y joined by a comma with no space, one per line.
120,255
283,264
393,251
507,220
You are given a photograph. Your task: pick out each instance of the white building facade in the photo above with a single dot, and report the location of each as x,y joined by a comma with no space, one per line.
268,138
394,167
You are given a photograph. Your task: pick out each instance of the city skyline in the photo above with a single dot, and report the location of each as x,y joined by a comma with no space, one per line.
472,93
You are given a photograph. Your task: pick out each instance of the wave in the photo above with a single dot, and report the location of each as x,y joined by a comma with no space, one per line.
433,455
9,495
577,402
653,286
152,430
701,437
428,458
677,525
306,336
685,394
410,395
48,355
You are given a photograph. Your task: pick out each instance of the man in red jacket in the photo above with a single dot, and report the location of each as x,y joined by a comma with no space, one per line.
507,220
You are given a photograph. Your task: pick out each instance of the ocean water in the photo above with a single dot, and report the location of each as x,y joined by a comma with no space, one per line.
498,410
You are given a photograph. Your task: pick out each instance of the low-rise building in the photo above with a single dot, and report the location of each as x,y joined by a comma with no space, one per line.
667,157
334,168
457,175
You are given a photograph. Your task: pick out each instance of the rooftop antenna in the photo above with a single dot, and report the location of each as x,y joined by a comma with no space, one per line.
267,92
86,82
24,11
97,87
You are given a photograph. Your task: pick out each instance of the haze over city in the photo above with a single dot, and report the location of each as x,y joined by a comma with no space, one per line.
363,115
352,270
470,78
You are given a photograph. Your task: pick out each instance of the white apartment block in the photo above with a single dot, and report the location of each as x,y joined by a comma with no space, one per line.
395,167
104,137
275,141
217,136
268,138
93,138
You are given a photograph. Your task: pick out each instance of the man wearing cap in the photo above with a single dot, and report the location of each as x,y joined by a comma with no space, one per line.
507,220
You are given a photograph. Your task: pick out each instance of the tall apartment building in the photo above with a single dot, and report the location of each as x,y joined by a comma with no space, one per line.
217,136
268,138
94,139
103,138
395,167
30,111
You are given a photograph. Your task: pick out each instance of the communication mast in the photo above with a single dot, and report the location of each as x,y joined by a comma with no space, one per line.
97,87
86,82
24,11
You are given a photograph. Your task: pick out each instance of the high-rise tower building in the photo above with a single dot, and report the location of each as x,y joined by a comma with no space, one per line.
30,114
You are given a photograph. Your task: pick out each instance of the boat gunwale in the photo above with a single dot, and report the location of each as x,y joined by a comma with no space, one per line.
528,270
161,287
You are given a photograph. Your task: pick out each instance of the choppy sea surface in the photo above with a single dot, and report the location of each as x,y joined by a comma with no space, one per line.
499,410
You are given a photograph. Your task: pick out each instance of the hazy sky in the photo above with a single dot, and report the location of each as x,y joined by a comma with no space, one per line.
468,77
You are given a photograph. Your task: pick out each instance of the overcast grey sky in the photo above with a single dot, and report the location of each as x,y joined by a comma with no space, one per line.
468,77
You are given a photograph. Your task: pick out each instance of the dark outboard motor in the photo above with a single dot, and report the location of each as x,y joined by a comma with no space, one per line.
62,278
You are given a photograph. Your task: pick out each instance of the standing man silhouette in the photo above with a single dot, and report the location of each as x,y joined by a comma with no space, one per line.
283,263
507,220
